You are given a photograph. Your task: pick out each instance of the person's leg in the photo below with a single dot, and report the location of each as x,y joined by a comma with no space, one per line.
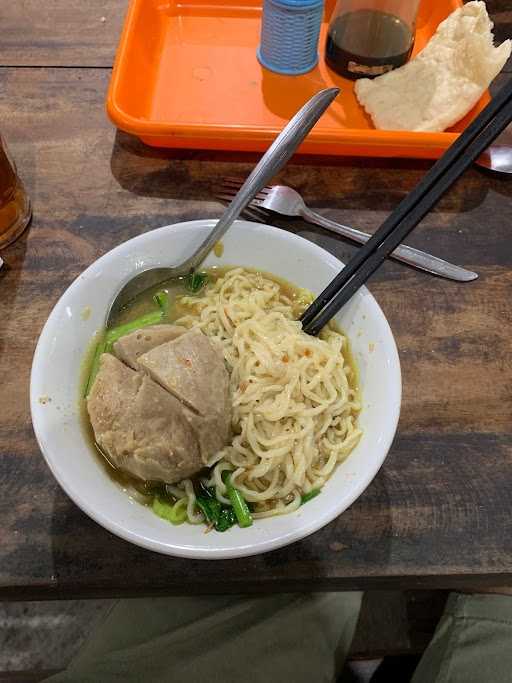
472,643
299,637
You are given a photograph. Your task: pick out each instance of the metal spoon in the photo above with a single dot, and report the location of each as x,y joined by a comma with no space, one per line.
498,157
272,161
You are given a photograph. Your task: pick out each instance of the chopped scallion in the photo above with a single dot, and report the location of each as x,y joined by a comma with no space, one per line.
306,497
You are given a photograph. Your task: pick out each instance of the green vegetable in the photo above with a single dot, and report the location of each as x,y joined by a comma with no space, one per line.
240,507
309,496
162,301
176,513
108,347
196,281
100,348
208,491
117,332
227,518
210,507
222,517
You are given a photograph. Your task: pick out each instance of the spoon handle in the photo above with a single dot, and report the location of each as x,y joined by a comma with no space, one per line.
271,162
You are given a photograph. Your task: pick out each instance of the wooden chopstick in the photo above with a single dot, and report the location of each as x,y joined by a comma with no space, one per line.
459,156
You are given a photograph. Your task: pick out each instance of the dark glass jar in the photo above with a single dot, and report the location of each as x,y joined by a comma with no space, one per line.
367,38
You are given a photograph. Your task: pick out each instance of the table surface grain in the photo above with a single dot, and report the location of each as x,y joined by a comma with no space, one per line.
439,512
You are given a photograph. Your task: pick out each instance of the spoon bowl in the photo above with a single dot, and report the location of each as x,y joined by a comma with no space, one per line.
497,158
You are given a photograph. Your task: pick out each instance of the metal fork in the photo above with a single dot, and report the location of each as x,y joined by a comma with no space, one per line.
287,202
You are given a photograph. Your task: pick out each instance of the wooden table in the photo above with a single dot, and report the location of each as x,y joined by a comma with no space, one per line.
439,512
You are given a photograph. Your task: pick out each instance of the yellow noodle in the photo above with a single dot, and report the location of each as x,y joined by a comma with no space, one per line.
294,411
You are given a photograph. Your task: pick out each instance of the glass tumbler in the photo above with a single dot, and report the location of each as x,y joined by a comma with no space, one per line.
15,209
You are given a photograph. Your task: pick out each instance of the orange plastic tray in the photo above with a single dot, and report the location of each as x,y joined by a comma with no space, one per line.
186,75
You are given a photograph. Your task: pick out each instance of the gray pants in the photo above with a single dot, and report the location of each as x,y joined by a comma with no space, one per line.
302,638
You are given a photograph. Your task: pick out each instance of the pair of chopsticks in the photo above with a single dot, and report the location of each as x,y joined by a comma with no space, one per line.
411,210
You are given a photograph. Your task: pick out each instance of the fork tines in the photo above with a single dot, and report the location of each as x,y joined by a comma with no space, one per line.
253,212
228,188
232,185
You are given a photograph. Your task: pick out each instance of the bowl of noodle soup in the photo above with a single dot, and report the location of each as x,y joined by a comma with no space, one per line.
307,413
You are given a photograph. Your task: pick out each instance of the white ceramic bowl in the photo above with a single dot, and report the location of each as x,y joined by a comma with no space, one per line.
68,331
